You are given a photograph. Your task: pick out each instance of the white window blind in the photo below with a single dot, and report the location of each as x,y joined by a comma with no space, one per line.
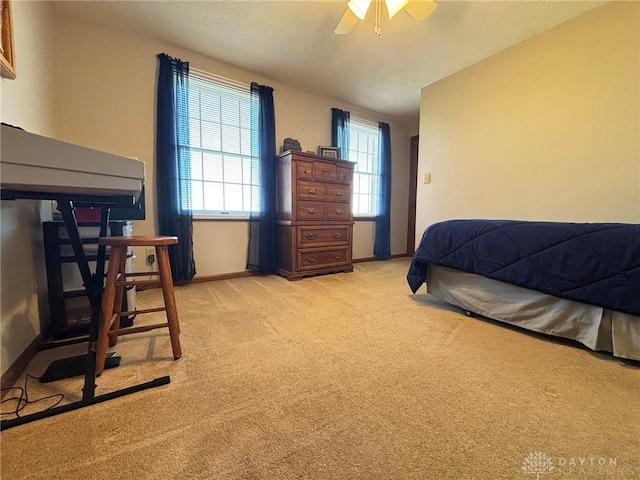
222,147
363,150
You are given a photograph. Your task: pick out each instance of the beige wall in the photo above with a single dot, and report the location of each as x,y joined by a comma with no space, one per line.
31,101
108,86
96,87
546,130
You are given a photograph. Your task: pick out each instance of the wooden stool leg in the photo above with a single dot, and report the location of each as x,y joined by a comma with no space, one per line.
106,309
169,300
120,289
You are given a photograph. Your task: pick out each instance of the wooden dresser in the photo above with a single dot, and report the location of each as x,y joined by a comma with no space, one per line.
314,219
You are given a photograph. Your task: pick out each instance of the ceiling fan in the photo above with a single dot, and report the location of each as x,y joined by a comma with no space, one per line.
357,10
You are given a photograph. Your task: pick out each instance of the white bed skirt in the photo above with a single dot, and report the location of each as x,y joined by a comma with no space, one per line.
598,328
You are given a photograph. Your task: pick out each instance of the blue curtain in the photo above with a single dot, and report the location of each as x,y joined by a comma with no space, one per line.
173,190
382,243
262,255
340,131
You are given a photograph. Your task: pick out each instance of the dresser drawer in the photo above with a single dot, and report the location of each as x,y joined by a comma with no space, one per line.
311,210
338,211
325,172
345,175
310,190
314,236
338,193
313,259
304,170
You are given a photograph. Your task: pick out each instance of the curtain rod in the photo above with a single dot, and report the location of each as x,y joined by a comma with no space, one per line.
219,78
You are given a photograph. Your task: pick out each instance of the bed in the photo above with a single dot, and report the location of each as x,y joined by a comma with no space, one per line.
579,281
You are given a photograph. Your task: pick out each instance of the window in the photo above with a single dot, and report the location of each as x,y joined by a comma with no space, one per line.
222,147
363,150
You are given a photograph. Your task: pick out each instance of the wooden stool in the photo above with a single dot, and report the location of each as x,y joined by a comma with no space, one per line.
115,284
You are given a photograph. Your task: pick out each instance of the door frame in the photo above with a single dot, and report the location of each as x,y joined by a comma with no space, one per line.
413,190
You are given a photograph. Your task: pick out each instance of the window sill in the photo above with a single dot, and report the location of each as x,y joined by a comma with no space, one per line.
246,218
221,218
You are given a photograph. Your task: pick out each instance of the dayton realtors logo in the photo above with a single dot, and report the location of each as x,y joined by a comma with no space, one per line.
537,463
540,464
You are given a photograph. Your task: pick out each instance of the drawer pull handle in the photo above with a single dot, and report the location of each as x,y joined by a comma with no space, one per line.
310,236
339,211
337,256
337,235
311,259
312,210
306,171
312,191
338,193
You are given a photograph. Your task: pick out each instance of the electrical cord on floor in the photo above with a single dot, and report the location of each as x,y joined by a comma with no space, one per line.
23,400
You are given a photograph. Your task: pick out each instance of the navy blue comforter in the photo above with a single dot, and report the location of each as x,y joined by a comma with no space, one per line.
594,263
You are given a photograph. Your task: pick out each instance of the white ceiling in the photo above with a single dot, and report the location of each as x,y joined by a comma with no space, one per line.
292,42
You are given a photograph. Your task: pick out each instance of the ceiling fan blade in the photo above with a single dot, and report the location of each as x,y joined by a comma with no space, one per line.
420,9
347,22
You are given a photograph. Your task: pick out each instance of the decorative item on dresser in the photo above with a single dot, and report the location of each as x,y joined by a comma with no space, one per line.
314,220
333,152
290,144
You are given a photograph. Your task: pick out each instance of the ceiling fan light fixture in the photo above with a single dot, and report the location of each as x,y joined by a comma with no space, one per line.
420,9
359,7
394,6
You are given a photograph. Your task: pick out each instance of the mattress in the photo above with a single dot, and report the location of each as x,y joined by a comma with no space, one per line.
593,263
34,163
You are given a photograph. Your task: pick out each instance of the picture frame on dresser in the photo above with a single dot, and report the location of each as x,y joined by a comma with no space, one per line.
331,152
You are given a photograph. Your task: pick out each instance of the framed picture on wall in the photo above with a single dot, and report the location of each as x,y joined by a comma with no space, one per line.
333,152
7,64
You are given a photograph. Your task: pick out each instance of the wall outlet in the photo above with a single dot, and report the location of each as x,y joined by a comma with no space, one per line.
426,178
150,255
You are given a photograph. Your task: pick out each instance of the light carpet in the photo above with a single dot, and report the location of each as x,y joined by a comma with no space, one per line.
344,376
